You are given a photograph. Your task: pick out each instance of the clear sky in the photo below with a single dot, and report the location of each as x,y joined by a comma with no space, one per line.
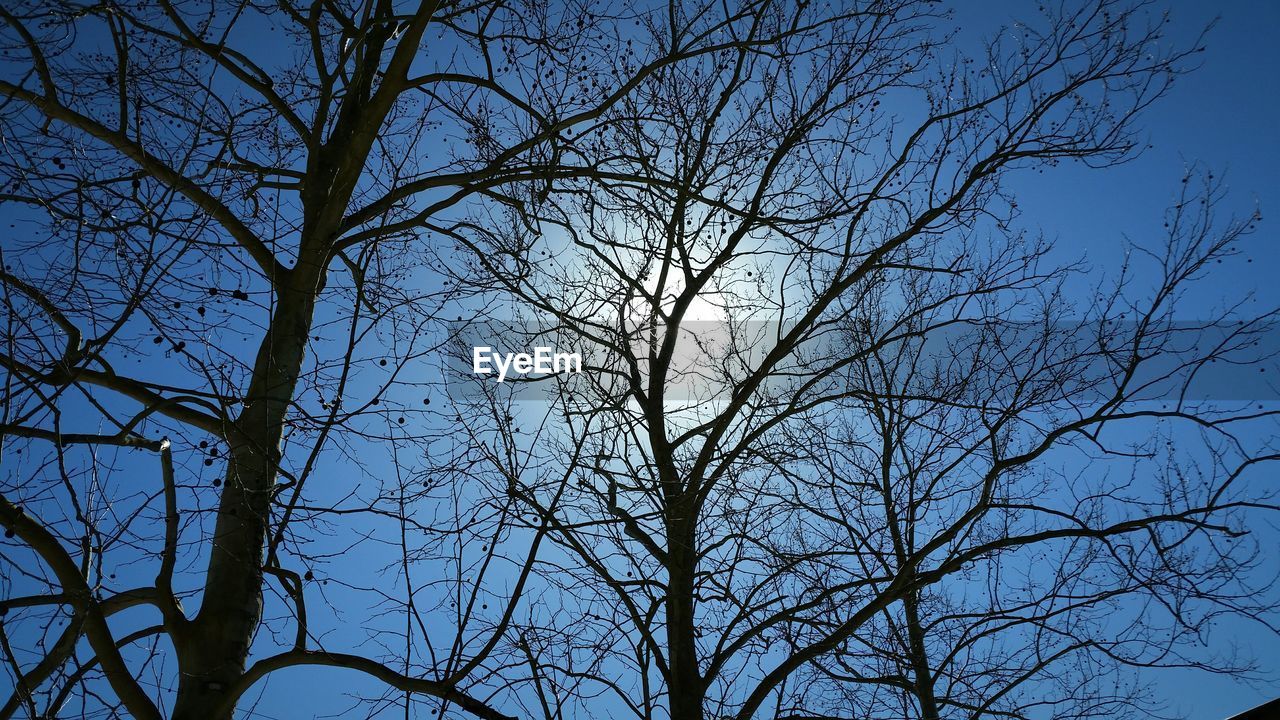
1226,116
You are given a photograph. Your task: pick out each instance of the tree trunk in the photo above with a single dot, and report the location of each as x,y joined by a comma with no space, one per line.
213,648
685,684
920,660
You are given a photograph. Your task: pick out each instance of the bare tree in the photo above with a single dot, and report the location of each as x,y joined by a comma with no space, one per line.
244,236
227,198
849,446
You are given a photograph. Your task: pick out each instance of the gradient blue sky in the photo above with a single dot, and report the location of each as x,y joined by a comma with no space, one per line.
1224,116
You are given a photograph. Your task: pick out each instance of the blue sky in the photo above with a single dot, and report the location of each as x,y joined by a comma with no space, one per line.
1224,116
